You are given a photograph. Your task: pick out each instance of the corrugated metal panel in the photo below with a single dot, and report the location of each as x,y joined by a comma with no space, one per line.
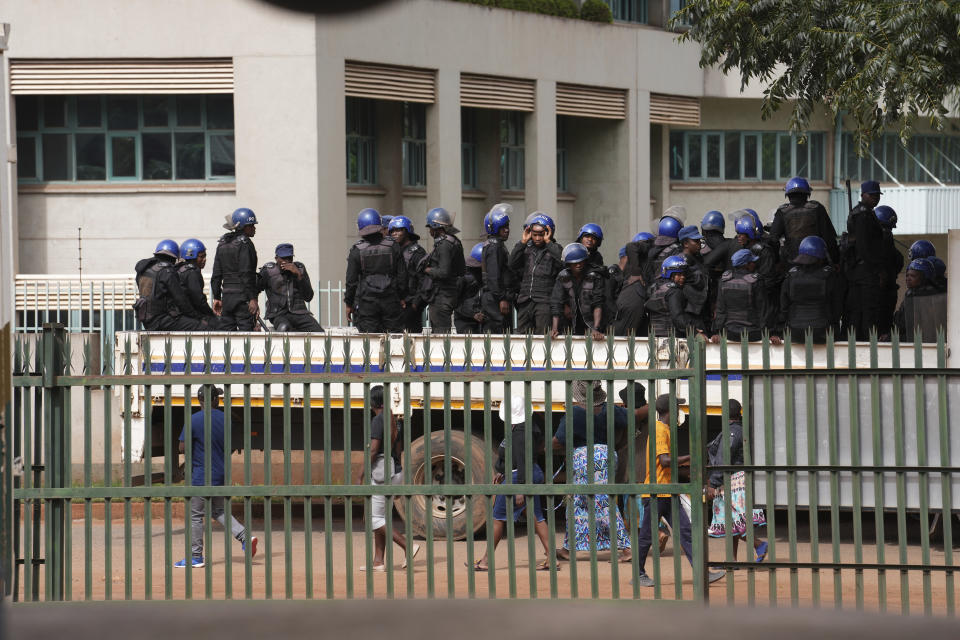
496,92
920,210
125,76
674,110
389,82
591,102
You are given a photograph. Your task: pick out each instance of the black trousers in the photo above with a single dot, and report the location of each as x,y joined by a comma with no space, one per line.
412,319
235,313
496,321
441,311
534,317
379,314
301,322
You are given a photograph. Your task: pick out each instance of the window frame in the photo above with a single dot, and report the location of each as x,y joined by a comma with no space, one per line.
512,151
704,140
364,142
563,185
414,145
468,148
640,13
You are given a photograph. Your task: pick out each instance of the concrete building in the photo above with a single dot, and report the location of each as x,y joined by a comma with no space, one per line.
137,120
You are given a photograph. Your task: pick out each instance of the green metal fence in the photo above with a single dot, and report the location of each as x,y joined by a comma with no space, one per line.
75,538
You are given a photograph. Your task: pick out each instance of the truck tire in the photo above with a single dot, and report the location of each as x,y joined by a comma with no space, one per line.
437,518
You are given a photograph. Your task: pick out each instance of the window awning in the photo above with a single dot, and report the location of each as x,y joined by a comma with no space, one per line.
591,102
674,110
497,92
389,82
121,76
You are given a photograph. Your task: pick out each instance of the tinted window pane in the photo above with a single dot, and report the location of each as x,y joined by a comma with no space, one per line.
786,168
768,162
803,168
189,111
222,155
731,156
88,111
713,156
750,156
56,156
91,156
122,113
26,157
124,156
190,156
155,111
157,160
28,113
55,111
676,155
816,156
220,112
694,156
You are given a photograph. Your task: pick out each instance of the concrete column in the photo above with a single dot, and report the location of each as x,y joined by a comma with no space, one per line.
953,302
540,147
444,179
336,223
638,119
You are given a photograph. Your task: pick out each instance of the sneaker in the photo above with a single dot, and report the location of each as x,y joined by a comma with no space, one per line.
253,546
643,580
713,576
196,563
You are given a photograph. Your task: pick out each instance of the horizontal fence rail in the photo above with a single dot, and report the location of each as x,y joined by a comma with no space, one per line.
847,456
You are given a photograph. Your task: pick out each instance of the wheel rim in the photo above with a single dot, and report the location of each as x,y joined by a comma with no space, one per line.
438,504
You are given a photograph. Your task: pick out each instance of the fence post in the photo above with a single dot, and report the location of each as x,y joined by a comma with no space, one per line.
698,447
53,343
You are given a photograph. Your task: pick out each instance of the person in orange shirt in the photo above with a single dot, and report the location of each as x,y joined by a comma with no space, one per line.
663,460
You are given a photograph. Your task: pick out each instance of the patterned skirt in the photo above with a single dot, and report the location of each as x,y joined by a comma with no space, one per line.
602,507
738,499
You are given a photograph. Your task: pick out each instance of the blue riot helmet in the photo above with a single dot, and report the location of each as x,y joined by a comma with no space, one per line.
497,218
167,248
241,218
922,249
742,257
756,220
368,221
440,217
814,247
622,253
385,221
402,222
797,185
673,265
539,217
669,227
574,253
746,225
191,249
591,229
476,254
939,266
924,266
643,236
886,216
713,221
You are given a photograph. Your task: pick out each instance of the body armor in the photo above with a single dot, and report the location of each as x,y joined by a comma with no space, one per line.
281,290
376,266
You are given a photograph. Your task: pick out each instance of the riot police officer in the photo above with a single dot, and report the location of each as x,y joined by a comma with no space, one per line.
193,257
591,236
577,299
162,305
468,316
666,304
749,237
288,291
799,218
696,286
499,285
921,249
893,264
811,297
234,281
742,305
442,269
638,250
940,271
376,278
664,245
866,269
536,259
614,283
401,230
924,306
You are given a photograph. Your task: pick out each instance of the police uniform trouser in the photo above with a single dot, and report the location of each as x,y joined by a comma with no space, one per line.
177,323
863,304
304,322
379,314
236,312
441,310
631,314
465,325
798,335
412,319
496,321
534,317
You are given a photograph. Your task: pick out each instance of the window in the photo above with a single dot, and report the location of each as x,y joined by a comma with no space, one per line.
468,148
361,142
629,10
562,154
414,144
936,154
678,5
511,151
149,138
745,156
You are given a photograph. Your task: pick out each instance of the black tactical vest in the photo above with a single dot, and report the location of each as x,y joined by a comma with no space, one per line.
539,273
228,254
798,222
281,290
808,291
657,309
376,265
656,258
583,302
739,296
152,302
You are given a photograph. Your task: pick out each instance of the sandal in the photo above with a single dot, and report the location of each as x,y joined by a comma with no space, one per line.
476,566
762,551
544,565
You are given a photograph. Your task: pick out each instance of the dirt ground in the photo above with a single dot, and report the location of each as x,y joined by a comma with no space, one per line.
282,570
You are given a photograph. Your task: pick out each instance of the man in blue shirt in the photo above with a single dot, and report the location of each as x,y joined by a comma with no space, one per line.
218,505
